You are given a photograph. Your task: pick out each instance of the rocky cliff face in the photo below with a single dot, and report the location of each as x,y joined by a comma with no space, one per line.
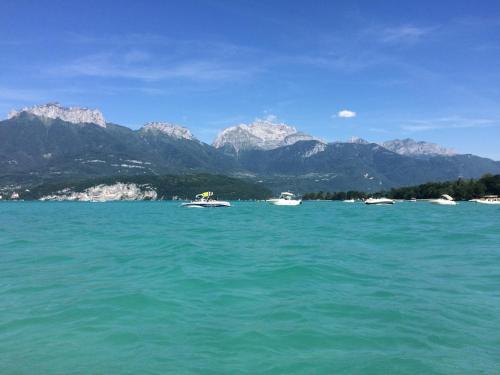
410,147
260,135
75,115
104,193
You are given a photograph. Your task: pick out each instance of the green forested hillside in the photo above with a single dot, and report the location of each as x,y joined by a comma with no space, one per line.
459,189
37,150
183,186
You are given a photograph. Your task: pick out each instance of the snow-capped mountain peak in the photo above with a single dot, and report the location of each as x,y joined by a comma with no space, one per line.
75,115
171,130
410,147
262,134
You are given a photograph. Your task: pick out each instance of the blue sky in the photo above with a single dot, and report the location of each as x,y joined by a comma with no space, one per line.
423,69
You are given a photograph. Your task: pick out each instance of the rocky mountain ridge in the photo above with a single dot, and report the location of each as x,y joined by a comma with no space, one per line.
261,134
35,148
74,115
169,129
410,147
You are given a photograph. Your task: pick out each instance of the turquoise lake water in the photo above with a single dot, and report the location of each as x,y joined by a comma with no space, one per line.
324,288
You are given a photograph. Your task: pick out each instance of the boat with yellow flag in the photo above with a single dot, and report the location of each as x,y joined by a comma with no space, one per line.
206,200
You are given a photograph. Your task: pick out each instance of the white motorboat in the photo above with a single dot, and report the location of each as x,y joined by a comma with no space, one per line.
379,201
487,199
349,200
205,200
444,200
286,199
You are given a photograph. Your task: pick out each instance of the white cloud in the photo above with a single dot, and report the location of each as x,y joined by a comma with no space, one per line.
269,118
453,122
136,66
153,58
345,113
404,34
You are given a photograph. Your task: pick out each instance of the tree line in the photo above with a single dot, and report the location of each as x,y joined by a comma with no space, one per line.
461,189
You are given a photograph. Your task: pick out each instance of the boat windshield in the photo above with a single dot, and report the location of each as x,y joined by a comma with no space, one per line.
204,196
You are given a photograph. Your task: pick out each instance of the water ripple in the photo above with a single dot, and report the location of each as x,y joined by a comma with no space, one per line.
151,288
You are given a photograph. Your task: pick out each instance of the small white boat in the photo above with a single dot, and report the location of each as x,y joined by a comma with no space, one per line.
379,201
349,200
487,199
444,200
286,199
205,200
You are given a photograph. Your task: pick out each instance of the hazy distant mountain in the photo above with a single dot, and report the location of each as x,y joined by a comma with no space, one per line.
410,147
47,143
260,135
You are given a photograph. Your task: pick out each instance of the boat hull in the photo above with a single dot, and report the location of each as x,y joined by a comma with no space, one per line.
444,202
379,202
284,202
210,204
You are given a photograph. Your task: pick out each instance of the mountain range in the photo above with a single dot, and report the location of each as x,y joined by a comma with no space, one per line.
54,143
